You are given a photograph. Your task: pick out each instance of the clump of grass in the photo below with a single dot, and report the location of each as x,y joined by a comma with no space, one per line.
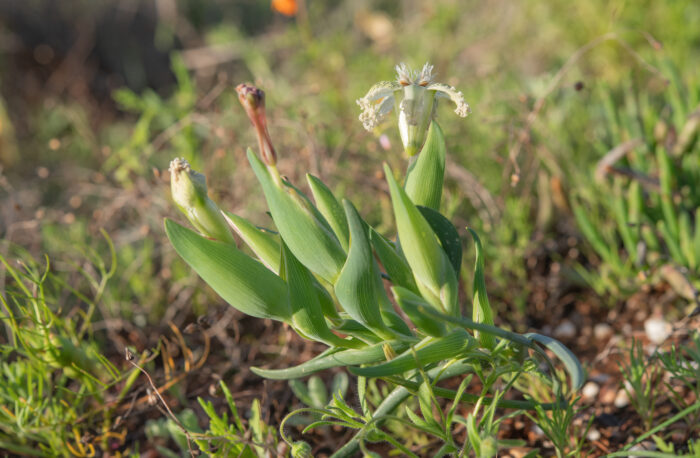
55,376
640,213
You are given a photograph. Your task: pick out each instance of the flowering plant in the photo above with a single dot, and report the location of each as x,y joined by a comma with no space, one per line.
386,308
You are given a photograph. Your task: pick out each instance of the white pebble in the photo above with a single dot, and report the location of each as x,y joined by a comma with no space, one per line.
657,330
602,331
565,330
621,399
590,390
593,434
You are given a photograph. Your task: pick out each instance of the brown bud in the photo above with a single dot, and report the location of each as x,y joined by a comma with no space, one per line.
253,101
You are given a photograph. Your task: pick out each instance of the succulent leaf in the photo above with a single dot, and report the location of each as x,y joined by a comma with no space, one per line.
243,282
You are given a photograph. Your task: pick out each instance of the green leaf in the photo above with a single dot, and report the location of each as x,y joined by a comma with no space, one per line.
425,177
481,312
299,223
431,267
307,315
571,363
240,280
264,244
356,286
317,392
339,385
355,329
447,235
331,209
430,350
301,391
332,358
423,425
395,265
410,303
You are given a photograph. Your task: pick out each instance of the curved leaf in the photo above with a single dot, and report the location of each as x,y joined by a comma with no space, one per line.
356,287
481,312
333,358
307,315
395,265
410,303
331,209
431,267
300,225
240,280
447,234
265,245
431,350
571,363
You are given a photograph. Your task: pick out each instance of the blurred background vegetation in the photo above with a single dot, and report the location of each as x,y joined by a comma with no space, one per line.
97,97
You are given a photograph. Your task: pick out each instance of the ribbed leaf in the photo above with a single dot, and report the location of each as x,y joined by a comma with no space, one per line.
425,177
481,312
356,285
410,303
427,352
240,280
353,328
395,265
301,226
332,358
331,209
265,245
307,315
447,234
431,267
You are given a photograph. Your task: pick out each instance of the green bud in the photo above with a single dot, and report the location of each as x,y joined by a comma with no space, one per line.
489,447
301,449
189,191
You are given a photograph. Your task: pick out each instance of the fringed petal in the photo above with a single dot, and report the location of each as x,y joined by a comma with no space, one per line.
447,91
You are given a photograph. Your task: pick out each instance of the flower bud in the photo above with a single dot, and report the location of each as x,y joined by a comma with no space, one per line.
189,191
301,449
253,100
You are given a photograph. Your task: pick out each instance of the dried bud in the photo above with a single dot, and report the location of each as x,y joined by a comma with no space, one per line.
253,100
189,191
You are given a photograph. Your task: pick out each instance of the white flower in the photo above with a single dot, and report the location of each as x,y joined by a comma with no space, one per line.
417,106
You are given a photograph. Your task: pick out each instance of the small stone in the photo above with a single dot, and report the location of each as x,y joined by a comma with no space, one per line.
621,399
602,331
644,446
565,330
593,435
608,396
600,379
657,330
590,390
